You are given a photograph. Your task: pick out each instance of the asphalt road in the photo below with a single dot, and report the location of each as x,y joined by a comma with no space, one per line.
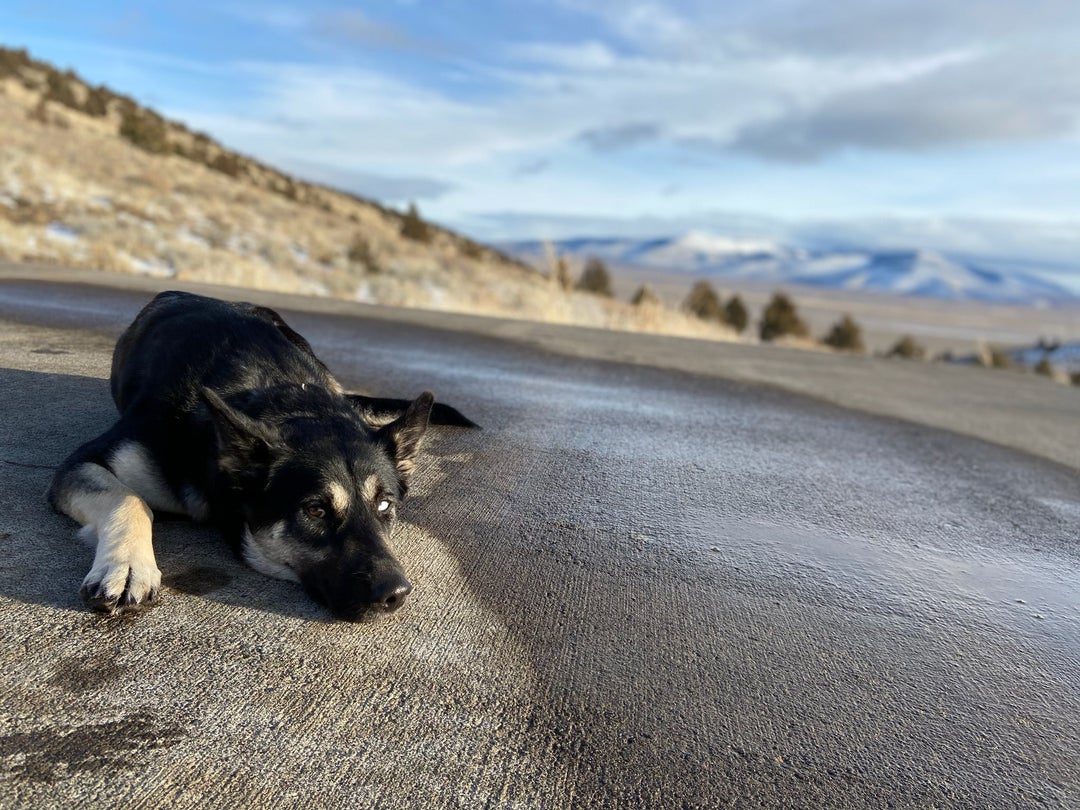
634,588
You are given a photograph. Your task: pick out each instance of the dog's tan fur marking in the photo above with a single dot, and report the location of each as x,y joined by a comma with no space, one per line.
369,489
122,523
339,498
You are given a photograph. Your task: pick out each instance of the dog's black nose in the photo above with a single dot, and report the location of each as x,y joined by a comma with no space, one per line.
388,596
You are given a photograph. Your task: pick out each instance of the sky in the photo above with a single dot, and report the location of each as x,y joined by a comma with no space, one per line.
939,124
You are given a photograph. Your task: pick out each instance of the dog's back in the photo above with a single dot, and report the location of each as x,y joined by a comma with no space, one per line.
182,342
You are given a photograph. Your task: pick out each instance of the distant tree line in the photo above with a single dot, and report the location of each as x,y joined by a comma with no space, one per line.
779,318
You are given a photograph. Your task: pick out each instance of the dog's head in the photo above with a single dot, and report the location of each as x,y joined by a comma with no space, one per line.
318,490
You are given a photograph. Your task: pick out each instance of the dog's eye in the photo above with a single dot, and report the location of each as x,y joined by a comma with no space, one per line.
315,510
383,506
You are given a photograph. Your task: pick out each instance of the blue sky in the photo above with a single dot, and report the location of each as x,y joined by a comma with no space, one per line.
950,124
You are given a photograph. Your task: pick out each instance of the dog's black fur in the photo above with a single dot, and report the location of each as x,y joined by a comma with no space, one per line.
227,415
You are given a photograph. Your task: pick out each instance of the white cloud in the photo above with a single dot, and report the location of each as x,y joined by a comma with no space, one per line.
360,118
895,74
645,23
734,76
269,15
588,56
393,189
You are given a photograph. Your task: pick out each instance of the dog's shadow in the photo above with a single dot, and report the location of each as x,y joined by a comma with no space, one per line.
41,559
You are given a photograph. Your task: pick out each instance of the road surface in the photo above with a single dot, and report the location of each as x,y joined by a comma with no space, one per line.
635,587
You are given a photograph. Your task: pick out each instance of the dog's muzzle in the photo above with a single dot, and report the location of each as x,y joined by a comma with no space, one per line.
360,595
391,594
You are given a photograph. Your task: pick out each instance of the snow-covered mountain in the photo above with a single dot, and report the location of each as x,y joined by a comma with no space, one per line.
926,273
908,272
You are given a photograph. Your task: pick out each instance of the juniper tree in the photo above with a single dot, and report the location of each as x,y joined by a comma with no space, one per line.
908,349
845,335
595,278
736,314
704,303
781,318
413,227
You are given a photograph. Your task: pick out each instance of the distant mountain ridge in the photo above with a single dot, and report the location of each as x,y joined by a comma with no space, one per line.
905,272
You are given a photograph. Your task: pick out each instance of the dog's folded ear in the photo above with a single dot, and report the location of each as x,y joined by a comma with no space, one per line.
402,437
243,443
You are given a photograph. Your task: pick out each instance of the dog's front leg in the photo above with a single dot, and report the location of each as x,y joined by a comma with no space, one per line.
124,574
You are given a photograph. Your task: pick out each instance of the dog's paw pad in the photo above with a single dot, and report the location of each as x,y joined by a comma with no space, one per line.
121,587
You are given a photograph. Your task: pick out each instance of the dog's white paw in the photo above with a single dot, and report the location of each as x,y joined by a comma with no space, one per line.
119,585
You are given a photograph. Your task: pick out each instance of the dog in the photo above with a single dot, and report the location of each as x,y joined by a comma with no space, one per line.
228,417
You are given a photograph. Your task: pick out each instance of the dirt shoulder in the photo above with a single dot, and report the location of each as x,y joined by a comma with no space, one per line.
1020,411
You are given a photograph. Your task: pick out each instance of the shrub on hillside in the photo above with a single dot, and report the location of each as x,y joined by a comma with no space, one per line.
471,250
845,336
360,252
645,297
736,314
999,358
227,163
780,318
13,61
58,88
595,279
413,227
145,130
96,102
703,302
908,349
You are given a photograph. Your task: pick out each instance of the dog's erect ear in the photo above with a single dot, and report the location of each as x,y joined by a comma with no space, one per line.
402,437
243,443
379,411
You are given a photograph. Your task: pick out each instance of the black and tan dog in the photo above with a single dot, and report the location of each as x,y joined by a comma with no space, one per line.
227,415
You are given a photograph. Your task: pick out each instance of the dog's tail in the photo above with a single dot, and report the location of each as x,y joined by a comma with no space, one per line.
382,410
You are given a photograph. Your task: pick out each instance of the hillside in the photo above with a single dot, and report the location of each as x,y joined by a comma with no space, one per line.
90,178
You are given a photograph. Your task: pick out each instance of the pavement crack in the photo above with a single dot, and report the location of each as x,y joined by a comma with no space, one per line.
28,465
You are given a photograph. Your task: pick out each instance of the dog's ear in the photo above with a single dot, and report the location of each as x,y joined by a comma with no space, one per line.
378,411
244,445
402,437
